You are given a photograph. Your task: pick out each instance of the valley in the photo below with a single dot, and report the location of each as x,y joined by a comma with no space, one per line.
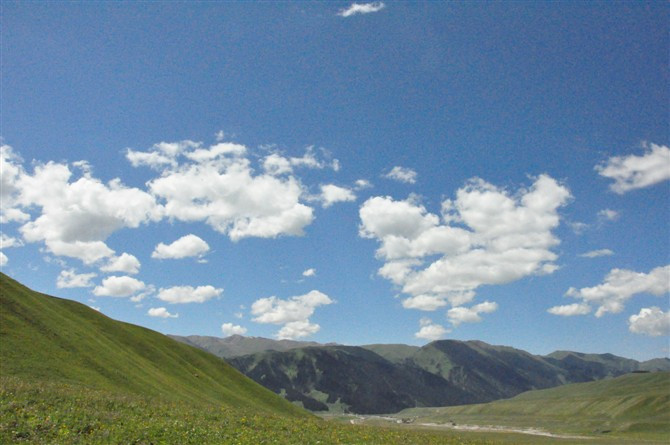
69,374
379,379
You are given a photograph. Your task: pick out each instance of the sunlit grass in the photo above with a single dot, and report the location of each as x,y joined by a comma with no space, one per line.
43,412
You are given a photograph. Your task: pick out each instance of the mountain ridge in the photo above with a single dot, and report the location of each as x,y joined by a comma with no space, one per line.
442,372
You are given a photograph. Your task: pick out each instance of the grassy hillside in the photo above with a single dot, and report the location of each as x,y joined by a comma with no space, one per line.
57,413
44,338
69,374
633,403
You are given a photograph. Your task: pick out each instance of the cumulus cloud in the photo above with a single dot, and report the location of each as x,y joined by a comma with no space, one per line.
3,259
186,246
331,194
458,315
70,278
77,215
116,286
297,329
485,236
10,173
188,294
160,155
402,174
293,313
361,8
430,331
634,172
217,185
216,151
73,213
568,310
161,312
125,263
309,272
229,329
597,253
620,285
650,321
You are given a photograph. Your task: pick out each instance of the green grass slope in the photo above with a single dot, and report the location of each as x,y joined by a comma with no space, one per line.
632,403
49,339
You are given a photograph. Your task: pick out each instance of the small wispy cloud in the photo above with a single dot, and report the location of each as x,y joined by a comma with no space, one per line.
608,215
402,174
597,253
361,8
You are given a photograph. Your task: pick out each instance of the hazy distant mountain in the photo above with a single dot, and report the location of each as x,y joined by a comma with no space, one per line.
237,345
385,378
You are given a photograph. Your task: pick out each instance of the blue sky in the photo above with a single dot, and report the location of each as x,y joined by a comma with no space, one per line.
371,173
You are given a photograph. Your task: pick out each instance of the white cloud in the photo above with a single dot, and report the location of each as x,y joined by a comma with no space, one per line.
362,184
188,294
154,159
293,313
430,330
424,302
277,164
186,246
597,253
330,194
634,172
160,155
569,310
608,215
122,286
225,193
229,329
458,315
620,285
650,321
309,272
3,259
161,312
484,237
70,278
361,8
402,174
10,173
9,241
297,329
77,216
125,263
215,151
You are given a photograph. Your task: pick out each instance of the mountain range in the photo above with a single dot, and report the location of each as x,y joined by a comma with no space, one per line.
375,379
